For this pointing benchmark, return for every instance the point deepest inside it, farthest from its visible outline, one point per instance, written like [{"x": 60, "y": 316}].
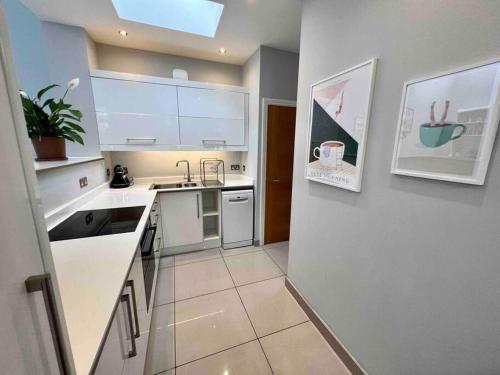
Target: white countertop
[{"x": 91, "y": 271}]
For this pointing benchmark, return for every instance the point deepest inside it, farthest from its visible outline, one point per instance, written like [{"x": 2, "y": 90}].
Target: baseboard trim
[{"x": 344, "y": 355}]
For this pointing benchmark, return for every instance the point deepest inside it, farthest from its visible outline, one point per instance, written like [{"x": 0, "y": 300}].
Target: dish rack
[{"x": 206, "y": 179}]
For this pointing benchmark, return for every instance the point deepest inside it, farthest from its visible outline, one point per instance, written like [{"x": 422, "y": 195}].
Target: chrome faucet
[{"x": 189, "y": 170}]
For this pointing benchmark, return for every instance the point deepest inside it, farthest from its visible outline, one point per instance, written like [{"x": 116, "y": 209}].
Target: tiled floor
[{"x": 232, "y": 315}]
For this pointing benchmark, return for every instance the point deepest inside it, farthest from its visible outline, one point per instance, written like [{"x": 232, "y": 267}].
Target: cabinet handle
[
  {"x": 130, "y": 283},
  {"x": 126, "y": 298},
  {"x": 198, "y": 205},
  {"x": 42, "y": 283},
  {"x": 213, "y": 141},
  {"x": 238, "y": 200},
  {"x": 139, "y": 139}
]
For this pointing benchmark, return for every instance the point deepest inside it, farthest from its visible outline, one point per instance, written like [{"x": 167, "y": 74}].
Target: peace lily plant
[{"x": 51, "y": 122}]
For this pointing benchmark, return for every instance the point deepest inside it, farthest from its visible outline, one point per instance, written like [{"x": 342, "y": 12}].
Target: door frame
[{"x": 266, "y": 102}]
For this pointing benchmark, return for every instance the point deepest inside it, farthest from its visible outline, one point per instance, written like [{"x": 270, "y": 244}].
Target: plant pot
[{"x": 49, "y": 148}]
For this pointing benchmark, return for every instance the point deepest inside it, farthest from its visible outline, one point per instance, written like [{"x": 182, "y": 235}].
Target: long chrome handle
[
  {"x": 139, "y": 139},
  {"x": 130, "y": 284},
  {"x": 126, "y": 298},
  {"x": 198, "y": 205},
  {"x": 42, "y": 283},
  {"x": 213, "y": 141}
]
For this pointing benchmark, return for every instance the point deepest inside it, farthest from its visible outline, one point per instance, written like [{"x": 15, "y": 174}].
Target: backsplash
[
  {"x": 156, "y": 164},
  {"x": 59, "y": 186}
]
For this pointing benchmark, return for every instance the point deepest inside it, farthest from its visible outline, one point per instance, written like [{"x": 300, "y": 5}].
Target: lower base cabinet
[{"x": 125, "y": 348}]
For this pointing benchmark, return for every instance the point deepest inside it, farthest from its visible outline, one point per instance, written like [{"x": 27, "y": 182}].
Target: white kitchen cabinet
[
  {"x": 182, "y": 218},
  {"x": 135, "y": 113},
  {"x": 141, "y": 113},
  {"x": 222, "y": 104},
  {"x": 113, "y": 352},
  {"x": 196, "y": 131}
]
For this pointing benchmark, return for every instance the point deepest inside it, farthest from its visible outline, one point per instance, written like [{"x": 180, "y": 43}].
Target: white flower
[
  {"x": 23, "y": 94},
  {"x": 73, "y": 84}
]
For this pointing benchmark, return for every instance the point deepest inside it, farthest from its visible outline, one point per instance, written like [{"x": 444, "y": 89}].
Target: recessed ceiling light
[
  {"x": 222, "y": 51},
  {"x": 199, "y": 17},
  {"x": 123, "y": 33}
]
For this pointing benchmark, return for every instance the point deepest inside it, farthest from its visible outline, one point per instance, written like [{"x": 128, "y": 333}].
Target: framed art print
[
  {"x": 338, "y": 124},
  {"x": 447, "y": 124}
]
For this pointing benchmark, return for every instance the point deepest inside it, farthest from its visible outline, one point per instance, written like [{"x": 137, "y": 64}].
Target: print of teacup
[
  {"x": 440, "y": 134},
  {"x": 330, "y": 154}
]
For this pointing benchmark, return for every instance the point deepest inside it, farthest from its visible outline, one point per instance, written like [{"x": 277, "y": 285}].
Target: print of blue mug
[{"x": 438, "y": 135}]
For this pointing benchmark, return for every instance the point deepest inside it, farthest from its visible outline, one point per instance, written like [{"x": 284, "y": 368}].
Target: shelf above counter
[{"x": 46, "y": 165}]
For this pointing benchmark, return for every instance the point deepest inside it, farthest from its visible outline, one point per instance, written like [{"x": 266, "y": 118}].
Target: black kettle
[{"x": 120, "y": 179}]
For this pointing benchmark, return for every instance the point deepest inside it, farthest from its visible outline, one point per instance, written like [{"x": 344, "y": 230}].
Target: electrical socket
[
  {"x": 235, "y": 167},
  {"x": 83, "y": 182}
]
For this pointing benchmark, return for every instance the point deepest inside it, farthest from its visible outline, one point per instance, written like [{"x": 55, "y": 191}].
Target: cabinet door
[
  {"x": 181, "y": 218},
  {"x": 194, "y": 102},
  {"x": 113, "y": 353},
  {"x": 135, "y": 112},
  {"x": 196, "y": 131}
]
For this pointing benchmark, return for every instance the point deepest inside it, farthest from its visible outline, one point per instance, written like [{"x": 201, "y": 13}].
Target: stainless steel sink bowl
[{"x": 177, "y": 185}]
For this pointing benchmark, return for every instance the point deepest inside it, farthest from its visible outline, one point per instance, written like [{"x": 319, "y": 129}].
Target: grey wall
[
  {"x": 129, "y": 60},
  {"x": 269, "y": 73},
  {"x": 406, "y": 273},
  {"x": 278, "y": 74},
  {"x": 68, "y": 58},
  {"x": 28, "y": 47}
]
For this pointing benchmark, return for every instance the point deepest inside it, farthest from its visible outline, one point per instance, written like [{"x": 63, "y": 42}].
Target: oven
[{"x": 148, "y": 259}]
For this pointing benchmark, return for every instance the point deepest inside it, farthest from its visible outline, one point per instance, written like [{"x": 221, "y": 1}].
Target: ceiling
[{"x": 244, "y": 25}]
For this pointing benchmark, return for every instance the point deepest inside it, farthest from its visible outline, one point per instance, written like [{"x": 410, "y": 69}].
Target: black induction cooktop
[{"x": 93, "y": 223}]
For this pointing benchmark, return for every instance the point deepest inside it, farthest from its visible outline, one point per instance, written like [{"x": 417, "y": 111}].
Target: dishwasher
[{"x": 237, "y": 218}]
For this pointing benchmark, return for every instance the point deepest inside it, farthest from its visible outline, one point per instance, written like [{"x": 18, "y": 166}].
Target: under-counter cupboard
[
  {"x": 136, "y": 112},
  {"x": 125, "y": 346}
]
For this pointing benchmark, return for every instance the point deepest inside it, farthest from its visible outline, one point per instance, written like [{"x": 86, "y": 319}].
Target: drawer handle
[
  {"x": 130, "y": 284},
  {"x": 126, "y": 298},
  {"x": 138, "y": 139},
  {"x": 213, "y": 141}
]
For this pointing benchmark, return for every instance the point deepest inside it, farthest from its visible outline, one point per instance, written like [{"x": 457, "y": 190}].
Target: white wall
[
  {"x": 28, "y": 47},
  {"x": 136, "y": 61},
  {"x": 67, "y": 58},
  {"x": 59, "y": 186},
  {"x": 406, "y": 273},
  {"x": 159, "y": 164}
]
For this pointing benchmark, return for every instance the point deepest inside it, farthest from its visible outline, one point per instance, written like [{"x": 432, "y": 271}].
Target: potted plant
[{"x": 51, "y": 122}]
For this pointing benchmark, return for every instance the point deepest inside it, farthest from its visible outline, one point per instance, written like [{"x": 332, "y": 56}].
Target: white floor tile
[
  {"x": 280, "y": 256},
  {"x": 240, "y": 250},
  {"x": 169, "y": 372},
  {"x": 270, "y": 306},
  {"x": 251, "y": 267},
  {"x": 301, "y": 350},
  {"x": 164, "y": 286},
  {"x": 209, "y": 324},
  {"x": 246, "y": 359},
  {"x": 161, "y": 350},
  {"x": 275, "y": 244},
  {"x": 167, "y": 262},
  {"x": 197, "y": 256},
  {"x": 196, "y": 279}
]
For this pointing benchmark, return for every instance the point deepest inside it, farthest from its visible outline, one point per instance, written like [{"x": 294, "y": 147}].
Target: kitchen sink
[{"x": 177, "y": 185}]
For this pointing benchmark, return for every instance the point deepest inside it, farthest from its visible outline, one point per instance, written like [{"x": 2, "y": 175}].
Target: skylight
[{"x": 199, "y": 17}]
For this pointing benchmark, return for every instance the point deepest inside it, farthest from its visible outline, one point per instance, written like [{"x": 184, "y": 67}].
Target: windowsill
[{"x": 45, "y": 165}]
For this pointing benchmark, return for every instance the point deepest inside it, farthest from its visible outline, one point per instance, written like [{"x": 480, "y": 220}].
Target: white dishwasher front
[{"x": 237, "y": 218}]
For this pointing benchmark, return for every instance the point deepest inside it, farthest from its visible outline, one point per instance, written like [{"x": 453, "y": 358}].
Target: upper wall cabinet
[
  {"x": 150, "y": 113},
  {"x": 135, "y": 113}
]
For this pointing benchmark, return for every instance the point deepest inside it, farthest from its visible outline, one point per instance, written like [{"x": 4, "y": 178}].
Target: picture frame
[
  {"x": 339, "y": 116},
  {"x": 457, "y": 146}
]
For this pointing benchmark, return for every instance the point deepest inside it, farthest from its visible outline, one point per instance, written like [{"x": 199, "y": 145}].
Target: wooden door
[{"x": 279, "y": 172}]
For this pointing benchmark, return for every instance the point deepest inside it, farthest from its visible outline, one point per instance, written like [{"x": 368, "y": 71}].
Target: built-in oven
[{"x": 148, "y": 259}]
